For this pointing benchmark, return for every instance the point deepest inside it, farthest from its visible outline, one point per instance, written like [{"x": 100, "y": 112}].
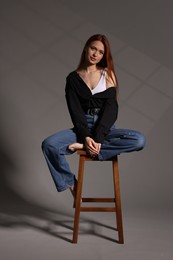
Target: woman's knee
[
  {"x": 141, "y": 141},
  {"x": 47, "y": 143}
]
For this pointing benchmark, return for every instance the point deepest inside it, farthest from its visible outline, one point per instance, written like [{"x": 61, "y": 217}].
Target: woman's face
[{"x": 94, "y": 52}]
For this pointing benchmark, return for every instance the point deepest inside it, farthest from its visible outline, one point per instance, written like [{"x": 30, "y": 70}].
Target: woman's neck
[{"x": 91, "y": 68}]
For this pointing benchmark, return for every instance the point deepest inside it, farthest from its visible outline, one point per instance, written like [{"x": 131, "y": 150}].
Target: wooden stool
[{"x": 83, "y": 156}]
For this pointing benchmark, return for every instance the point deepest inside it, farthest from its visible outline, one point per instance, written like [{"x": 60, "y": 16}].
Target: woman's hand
[{"x": 92, "y": 147}]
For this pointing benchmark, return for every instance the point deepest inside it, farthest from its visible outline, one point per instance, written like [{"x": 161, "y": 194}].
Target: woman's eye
[{"x": 95, "y": 49}]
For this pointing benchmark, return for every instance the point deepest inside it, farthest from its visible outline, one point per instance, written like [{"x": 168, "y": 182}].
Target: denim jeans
[{"x": 55, "y": 147}]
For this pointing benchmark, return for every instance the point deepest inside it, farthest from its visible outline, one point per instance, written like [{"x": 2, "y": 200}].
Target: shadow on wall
[{"x": 16, "y": 212}]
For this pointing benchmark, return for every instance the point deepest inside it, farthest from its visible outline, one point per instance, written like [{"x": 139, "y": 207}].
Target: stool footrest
[
  {"x": 97, "y": 209},
  {"x": 98, "y": 199}
]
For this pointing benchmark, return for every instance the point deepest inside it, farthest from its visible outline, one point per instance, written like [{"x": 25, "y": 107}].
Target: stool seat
[{"x": 83, "y": 157}]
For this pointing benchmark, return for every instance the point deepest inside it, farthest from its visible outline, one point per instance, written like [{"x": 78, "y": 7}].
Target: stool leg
[
  {"x": 78, "y": 198},
  {"x": 118, "y": 201}
]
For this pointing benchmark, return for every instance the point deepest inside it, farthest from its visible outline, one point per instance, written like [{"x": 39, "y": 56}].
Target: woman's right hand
[{"x": 92, "y": 147}]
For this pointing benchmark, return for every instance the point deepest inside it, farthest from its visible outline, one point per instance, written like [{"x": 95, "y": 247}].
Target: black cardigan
[{"x": 79, "y": 99}]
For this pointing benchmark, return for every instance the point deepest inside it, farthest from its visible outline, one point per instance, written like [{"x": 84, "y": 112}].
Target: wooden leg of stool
[
  {"x": 118, "y": 201},
  {"x": 78, "y": 199}
]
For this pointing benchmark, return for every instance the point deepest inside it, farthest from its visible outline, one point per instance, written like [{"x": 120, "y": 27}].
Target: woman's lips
[{"x": 92, "y": 58}]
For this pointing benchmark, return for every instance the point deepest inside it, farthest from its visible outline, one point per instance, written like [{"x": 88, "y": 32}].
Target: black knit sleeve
[
  {"x": 76, "y": 111},
  {"x": 107, "y": 117}
]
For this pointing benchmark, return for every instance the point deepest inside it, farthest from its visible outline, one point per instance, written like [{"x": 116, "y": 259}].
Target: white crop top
[{"x": 101, "y": 86}]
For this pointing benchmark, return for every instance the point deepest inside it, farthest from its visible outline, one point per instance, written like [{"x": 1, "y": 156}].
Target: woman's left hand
[{"x": 92, "y": 147}]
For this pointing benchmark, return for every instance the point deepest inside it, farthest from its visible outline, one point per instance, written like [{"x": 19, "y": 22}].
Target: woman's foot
[
  {"x": 73, "y": 190},
  {"x": 75, "y": 146}
]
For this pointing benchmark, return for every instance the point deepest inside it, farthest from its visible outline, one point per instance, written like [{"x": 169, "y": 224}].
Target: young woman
[{"x": 91, "y": 95}]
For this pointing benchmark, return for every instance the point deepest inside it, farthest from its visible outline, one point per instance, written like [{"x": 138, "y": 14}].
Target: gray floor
[{"x": 47, "y": 235}]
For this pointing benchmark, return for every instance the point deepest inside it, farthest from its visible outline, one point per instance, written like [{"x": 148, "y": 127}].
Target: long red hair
[{"x": 106, "y": 61}]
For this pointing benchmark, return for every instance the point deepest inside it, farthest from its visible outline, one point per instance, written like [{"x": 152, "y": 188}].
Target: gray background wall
[{"x": 40, "y": 43}]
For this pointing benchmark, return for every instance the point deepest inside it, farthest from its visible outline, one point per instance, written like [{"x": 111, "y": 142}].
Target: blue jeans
[{"x": 55, "y": 147}]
